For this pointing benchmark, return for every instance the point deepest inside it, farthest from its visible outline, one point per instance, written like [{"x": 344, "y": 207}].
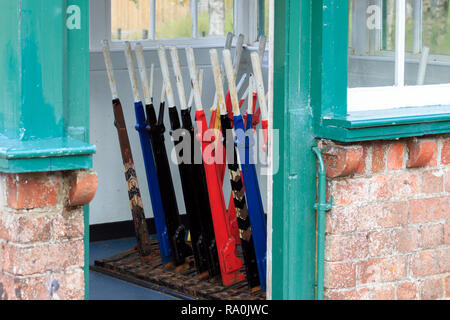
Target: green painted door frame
[
  {"x": 294, "y": 220},
  {"x": 310, "y": 82}
]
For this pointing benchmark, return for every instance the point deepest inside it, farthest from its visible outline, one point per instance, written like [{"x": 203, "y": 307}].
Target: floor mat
[{"x": 182, "y": 284}]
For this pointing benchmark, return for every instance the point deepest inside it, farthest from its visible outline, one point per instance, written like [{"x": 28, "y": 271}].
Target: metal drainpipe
[{"x": 322, "y": 206}]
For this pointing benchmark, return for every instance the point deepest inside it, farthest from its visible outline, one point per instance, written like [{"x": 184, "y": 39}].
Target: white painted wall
[{"x": 111, "y": 201}]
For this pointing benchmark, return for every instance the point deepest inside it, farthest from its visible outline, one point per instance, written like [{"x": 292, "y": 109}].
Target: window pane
[
  {"x": 266, "y": 17},
  {"x": 371, "y": 43},
  {"x": 428, "y": 24},
  {"x": 173, "y": 19},
  {"x": 436, "y": 22},
  {"x": 427, "y": 42},
  {"x": 130, "y": 19},
  {"x": 215, "y": 17},
  {"x": 388, "y": 21}
]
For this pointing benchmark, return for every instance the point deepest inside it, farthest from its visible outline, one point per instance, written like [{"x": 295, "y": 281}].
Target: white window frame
[
  {"x": 244, "y": 22},
  {"x": 399, "y": 95}
]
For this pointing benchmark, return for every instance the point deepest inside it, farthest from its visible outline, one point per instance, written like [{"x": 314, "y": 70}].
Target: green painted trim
[
  {"x": 11, "y": 149},
  {"x": 388, "y": 132},
  {"x": 329, "y": 60},
  {"x": 391, "y": 117},
  {"x": 54, "y": 154},
  {"x": 294, "y": 191},
  {"x": 46, "y": 164},
  {"x": 387, "y": 124}
]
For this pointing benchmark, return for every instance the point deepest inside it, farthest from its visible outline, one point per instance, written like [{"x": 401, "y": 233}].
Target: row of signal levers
[{"x": 215, "y": 230}]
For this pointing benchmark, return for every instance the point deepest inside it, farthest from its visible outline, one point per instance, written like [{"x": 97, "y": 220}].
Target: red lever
[
  {"x": 230, "y": 264},
  {"x": 265, "y": 126}
]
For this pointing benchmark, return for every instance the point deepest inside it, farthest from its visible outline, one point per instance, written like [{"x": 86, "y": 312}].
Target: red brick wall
[
  {"x": 41, "y": 235},
  {"x": 388, "y": 234}
]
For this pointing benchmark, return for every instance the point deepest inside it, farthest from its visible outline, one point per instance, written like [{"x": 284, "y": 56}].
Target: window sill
[
  {"x": 207, "y": 42},
  {"x": 196, "y": 43},
  {"x": 386, "y": 124},
  {"x": 390, "y": 97},
  {"x": 43, "y": 155}
]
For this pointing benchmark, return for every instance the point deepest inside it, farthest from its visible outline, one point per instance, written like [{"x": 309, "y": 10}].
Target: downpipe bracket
[{"x": 324, "y": 206}]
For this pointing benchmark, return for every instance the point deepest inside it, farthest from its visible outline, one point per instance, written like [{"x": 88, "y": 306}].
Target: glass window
[
  {"x": 428, "y": 25},
  {"x": 427, "y": 42},
  {"x": 215, "y": 17},
  {"x": 170, "y": 19},
  {"x": 371, "y": 30},
  {"x": 173, "y": 19},
  {"x": 420, "y": 55},
  {"x": 130, "y": 19}
]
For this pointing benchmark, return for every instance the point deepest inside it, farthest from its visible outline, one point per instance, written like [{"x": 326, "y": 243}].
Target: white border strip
[{"x": 379, "y": 98}]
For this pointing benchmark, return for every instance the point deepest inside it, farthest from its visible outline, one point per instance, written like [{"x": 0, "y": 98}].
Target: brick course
[
  {"x": 41, "y": 234},
  {"x": 388, "y": 234}
]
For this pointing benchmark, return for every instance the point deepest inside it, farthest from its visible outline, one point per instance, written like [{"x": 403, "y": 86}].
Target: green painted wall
[
  {"x": 44, "y": 81},
  {"x": 9, "y": 58},
  {"x": 33, "y": 53}
]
